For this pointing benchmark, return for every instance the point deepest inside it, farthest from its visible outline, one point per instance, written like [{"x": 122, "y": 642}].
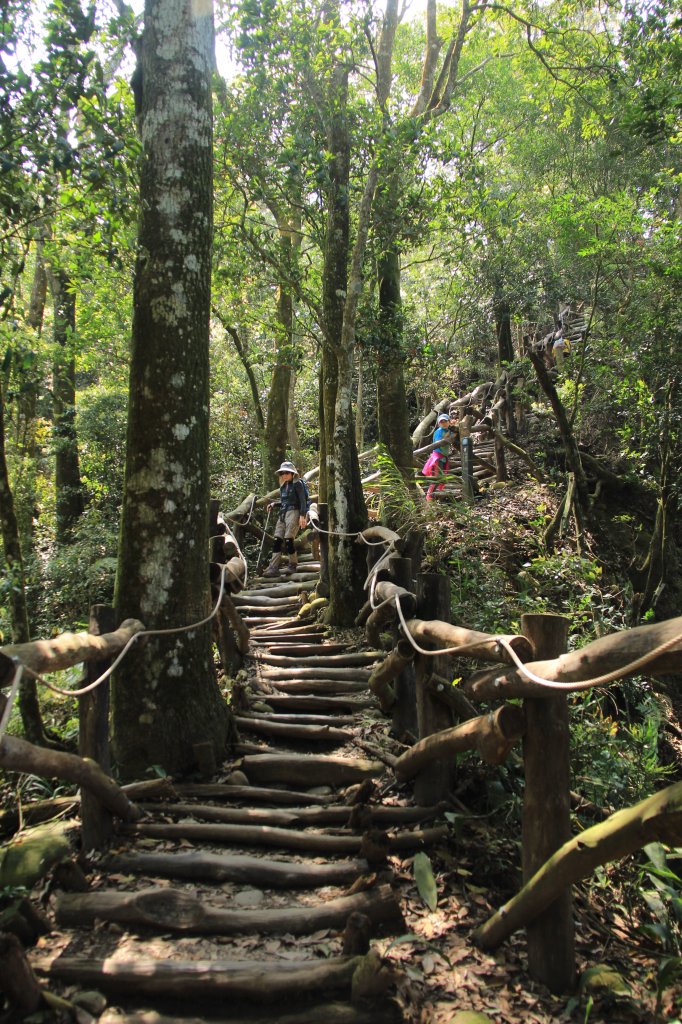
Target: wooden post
[
  {"x": 433, "y": 602},
  {"x": 509, "y": 407},
  {"x": 467, "y": 469},
  {"x": 93, "y": 735},
  {"x": 546, "y": 809},
  {"x": 323, "y": 585},
  {"x": 405, "y": 685},
  {"x": 216, "y": 533},
  {"x": 500, "y": 461}
]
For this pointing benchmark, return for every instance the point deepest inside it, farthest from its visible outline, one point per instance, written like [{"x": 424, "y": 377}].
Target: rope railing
[{"x": 22, "y": 669}]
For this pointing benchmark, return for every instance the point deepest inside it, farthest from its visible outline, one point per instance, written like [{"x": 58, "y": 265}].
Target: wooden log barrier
[
  {"x": 17, "y": 755},
  {"x": 377, "y": 534},
  {"x": 482, "y": 646},
  {"x": 70, "y": 649},
  {"x": 500, "y": 460},
  {"x": 443, "y": 691},
  {"x": 239, "y": 628},
  {"x": 383, "y": 675},
  {"x": 433, "y": 716},
  {"x": 378, "y": 618},
  {"x": 656, "y": 819},
  {"x": 404, "y": 711},
  {"x": 216, "y": 533},
  {"x": 385, "y": 594},
  {"x": 492, "y": 735},
  {"x": 605, "y": 655},
  {"x": 547, "y": 810}
]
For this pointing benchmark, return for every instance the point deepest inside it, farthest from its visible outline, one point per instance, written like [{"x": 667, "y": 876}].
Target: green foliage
[
  {"x": 76, "y": 576},
  {"x": 615, "y": 755},
  {"x": 426, "y": 883},
  {"x": 399, "y": 506},
  {"x": 661, "y": 889}
]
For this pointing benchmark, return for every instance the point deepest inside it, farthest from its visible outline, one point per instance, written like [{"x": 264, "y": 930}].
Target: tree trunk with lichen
[
  {"x": 341, "y": 469},
  {"x": 392, "y": 405},
  {"x": 165, "y": 697},
  {"x": 280, "y": 394},
  {"x": 68, "y": 487}
]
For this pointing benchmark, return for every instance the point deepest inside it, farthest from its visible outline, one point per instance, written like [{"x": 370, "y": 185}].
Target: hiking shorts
[{"x": 287, "y": 525}]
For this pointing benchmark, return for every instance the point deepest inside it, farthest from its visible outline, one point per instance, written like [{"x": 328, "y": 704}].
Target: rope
[
  {"x": 249, "y": 514},
  {"x": 461, "y": 649},
  {"x": 553, "y": 684},
  {"x": 585, "y": 684},
  {"x": 338, "y": 533},
  {"x": 374, "y": 571}
]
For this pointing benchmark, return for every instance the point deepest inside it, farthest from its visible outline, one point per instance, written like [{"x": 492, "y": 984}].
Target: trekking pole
[{"x": 265, "y": 530}]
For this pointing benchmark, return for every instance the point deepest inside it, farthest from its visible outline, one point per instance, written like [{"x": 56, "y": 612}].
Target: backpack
[{"x": 307, "y": 493}]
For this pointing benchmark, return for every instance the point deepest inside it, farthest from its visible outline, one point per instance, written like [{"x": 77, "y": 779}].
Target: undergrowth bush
[{"x": 74, "y": 577}]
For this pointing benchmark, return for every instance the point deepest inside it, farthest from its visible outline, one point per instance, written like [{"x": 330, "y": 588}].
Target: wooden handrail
[{"x": 70, "y": 649}]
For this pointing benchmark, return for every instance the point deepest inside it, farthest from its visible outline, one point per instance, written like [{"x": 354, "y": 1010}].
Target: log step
[
  {"x": 299, "y": 769},
  {"x": 303, "y": 647},
  {"x": 336, "y": 721},
  {"x": 250, "y": 794},
  {"x": 240, "y": 868},
  {"x": 339, "y": 815},
  {"x": 321, "y": 659},
  {"x": 263, "y": 981},
  {"x": 285, "y": 839},
  {"x": 176, "y": 911},
  {"x": 315, "y": 702},
  {"x": 313, "y": 685},
  {"x": 254, "y": 620},
  {"x": 330, "y": 1013},
  {"x": 293, "y": 731}
]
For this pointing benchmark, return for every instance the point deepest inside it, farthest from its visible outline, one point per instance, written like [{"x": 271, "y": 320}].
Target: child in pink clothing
[{"x": 438, "y": 462}]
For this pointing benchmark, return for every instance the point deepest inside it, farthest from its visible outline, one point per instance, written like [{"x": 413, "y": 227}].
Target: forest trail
[{"x": 253, "y": 896}]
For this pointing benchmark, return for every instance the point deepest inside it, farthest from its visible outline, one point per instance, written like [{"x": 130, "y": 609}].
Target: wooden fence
[
  {"x": 413, "y": 685},
  {"x": 102, "y": 799}
]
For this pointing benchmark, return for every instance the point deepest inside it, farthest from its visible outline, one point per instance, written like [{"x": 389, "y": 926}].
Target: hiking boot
[
  {"x": 273, "y": 568},
  {"x": 290, "y": 568}
]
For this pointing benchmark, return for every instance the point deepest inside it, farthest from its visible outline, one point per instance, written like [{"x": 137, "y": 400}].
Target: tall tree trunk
[
  {"x": 394, "y": 426},
  {"x": 165, "y": 696},
  {"x": 359, "y": 400},
  {"x": 502, "y": 316},
  {"x": 36, "y": 307},
  {"x": 277, "y": 414},
  {"x": 278, "y": 420},
  {"x": 292, "y": 423},
  {"x": 343, "y": 487},
  {"x": 570, "y": 445},
  {"x": 28, "y": 697},
  {"x": 68, "y": 487}
]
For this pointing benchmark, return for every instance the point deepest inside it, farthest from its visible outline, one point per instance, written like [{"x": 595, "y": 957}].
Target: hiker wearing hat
[
  {"x": 293, "y": 502},
  {"x": 438, "y": 462}
]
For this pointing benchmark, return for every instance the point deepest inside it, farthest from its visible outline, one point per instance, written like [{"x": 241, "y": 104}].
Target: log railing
[
  {"x": 101, "y": 798},
  {"x": 535, "y": 666}
]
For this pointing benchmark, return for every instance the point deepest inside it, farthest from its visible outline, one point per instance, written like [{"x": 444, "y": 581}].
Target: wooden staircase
[{"x": 254, "y": 896}]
